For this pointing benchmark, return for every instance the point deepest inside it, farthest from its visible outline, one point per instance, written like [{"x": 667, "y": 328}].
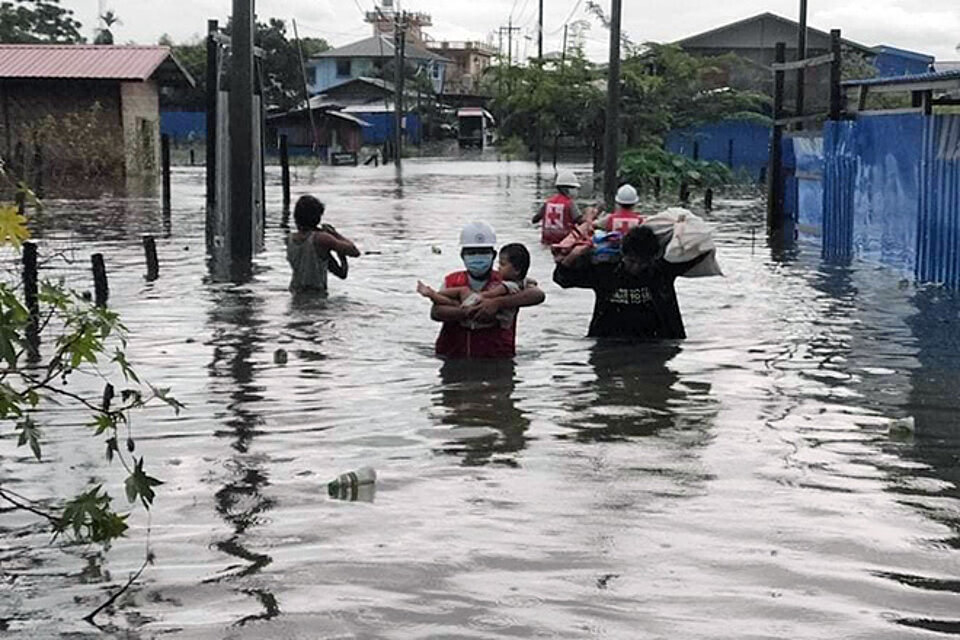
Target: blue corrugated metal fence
[{"x": 938, "y": 242}]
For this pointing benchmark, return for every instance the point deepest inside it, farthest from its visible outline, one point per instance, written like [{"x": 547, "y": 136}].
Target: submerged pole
[
  {"x": 213, "y": 90},
  {"x": 612, "y": 132},
  {"x": 150, "y": 253},
  {"x": 30, "y": 299},
  {"x": 774, "y": 171},
  {"x": 165, "y": 164},
  {"x": 285, "y": 170},
  {"x": 100, "y": 288},
  {"x": 242, "y": 154}
]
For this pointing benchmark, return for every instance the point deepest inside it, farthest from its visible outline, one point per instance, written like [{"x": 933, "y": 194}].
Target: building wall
[
  {"x": 75, "y": 125},
  {"x": 463, "y": 74},
  {"x": 891, "y": 64},
  {"x": 140, "y": 112},
  {"x": 322, "y": 72}
]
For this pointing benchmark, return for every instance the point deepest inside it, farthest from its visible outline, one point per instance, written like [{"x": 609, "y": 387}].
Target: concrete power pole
[
  {"x": 399, "y": 37},
  {"x": 242, "y": 156},
  {"x": 612, "y": 132},
  {"x": 801, "y": 54},
  {"x": 540, "y": 61}
]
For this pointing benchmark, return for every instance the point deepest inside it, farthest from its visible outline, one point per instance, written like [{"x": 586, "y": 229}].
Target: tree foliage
[{"x": 31, "y": 21}]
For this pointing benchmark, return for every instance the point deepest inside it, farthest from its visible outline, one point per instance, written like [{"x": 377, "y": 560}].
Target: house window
[
  {"x": 343, "y": 67},
  {"x": 436, "y": 72}
]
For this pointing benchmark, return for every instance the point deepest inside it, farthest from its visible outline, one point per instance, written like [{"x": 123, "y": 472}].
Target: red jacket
[
  {"x": 557, "y": 219},
  {"x": 456, "y": 341}
]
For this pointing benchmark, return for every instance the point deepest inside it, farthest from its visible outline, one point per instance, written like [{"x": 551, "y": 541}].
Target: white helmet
[
  {"x": 566, "y": 179},
  {"x": 478, "y": 235},
  {"x": 627, "y": 195}
]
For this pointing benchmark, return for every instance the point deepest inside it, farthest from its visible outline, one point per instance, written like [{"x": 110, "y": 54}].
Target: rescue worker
[
  {"x": 623, "y": 217},
  {"x": 558, "y": 215},
  {"x": 635, "y": 297},
  {"x": 456, "y": 340}
]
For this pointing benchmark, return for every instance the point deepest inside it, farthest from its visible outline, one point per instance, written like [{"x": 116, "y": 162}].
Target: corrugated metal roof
[
  {"x": 920, "y": 78},
  {"x": 86, "y": 62},
  {"x": 379, "y": 47}
]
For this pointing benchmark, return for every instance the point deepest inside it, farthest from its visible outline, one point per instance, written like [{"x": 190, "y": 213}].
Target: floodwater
[{"x": 740, "y": 484}]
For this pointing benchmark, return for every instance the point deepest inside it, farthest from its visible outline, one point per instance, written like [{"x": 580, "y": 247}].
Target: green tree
[
  {"x": 29, "y": 21},
  {"x": 105, "y": 35}
]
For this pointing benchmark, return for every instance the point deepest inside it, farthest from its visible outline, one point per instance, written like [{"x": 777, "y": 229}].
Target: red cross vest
[
  {"x": 622, "y": 221},
  {"x": 456, "y": 341},
  {"x": 557, "y": 219}
]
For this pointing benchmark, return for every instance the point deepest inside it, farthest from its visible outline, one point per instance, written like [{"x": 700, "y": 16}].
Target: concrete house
[
  {"x": 367, "y": 58},
  {"x": 469, "y": 60},
  {"x": 44, "y": 87}
]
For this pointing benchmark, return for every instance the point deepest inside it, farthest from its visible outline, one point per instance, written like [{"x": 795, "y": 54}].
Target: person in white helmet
[
  {"x": 559, "y": 215},
  {"x": 488, "y": 339},
  {"x": 623, "y": 217}
]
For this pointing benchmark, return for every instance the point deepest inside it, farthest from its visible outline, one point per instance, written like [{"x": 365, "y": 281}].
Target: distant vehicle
[{"x": 476, "y": 127}]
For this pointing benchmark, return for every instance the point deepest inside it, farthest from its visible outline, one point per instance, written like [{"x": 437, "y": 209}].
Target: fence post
[
  {"x": 29, "y": 259},
  {"x": 165, "y": 162},
  {"x": 150, "y": 252},
  {"x": 101, "y": 291},
  {"x": 684, "y": 193},
  {"x": 774, "y": 172},
  {"x": 657, "y": 184},
  {"x": 708, "y": 200},
  {"x": 285, "y": 170},
  {"x": 836, "y": 95},
  {"x": 38, "y": 170}
]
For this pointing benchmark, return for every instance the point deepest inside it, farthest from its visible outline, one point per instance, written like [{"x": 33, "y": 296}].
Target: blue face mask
[{"x": 478, "y": 265}]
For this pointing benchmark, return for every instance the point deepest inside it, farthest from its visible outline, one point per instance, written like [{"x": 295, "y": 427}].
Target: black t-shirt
[{"x": 628, "y": 305}]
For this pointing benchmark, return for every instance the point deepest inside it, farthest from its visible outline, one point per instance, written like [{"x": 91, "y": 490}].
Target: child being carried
[{"x": 514, "y": 264}]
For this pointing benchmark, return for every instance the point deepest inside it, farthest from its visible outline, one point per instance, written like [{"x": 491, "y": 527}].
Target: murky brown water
[{"x": 741, "y": 484}]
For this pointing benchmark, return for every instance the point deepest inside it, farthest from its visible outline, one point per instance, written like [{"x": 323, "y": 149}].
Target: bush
[{"x": 640, "y": 167}]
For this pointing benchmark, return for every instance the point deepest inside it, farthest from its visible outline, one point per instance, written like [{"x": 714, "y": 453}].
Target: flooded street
[{"x": 740, "y": 484}]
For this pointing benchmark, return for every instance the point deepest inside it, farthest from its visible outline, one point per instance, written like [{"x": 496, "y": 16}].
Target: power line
[{"x": 567, "y": 21}]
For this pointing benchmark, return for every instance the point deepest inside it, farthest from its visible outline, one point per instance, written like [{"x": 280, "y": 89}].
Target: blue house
[{"x": 367, "y": 58}]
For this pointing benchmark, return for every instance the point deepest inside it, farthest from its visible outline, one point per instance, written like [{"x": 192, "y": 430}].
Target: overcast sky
[{"x": 932, "y": 26}]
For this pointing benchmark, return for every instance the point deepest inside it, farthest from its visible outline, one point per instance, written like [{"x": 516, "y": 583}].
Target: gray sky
[{"x": 932, "y": 26}]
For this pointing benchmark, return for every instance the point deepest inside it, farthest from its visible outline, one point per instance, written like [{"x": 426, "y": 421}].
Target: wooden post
[
  {"x": 285, "y": 170},
  {"x": 165, "y": 163},
  {"x": 801, "y": 55},
  {"x": 774, "y": 171},
  {"x": 612, "y": 132},
  {"x": 192, "y": 158},
  {"x": 684, "y": 193},
  {"x": 708, "y": 200},
  {"x": 696, "y": 150},
  {"x": 29, "y": 259},
  {"x": 241, "y": 139},
  {"x": 657, "y": 185},
  {"x": 150, "y": 252},
  {"x": 100, "y": 288},
  {"x": 730, "y": 153},
  {"x": 836, "y": 97},
  {"x": 38, "y": 169}
]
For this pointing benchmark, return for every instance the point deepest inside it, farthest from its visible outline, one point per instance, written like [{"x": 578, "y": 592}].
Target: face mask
[
  {"x": 573, "y": 192},
  {"x": 478, "y": 265}
]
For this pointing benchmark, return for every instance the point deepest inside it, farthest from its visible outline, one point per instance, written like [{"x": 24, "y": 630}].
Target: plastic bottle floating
[
  {"x": 902, "y": 427},
  {"x": 353, "y": 486}
]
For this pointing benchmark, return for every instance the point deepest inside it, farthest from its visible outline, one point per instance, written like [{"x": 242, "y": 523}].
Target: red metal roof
[{"x": 87, "y": 62}]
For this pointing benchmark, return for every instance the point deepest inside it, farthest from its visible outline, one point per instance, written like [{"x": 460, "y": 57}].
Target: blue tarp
[
  {"x": 382, "y": 126},
  {"x": 736, "y": 143},
  {"x": 183, "y": 126}
]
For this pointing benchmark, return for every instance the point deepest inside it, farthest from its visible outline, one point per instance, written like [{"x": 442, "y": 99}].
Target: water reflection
[
  {"x": 477, "y": 401},
  {"x": 237, "y": 338},
  {"x": 635, "y": 393}
]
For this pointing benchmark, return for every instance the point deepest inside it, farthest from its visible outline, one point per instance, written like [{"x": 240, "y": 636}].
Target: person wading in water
[
  {"x": 310, "y": 249},
  {"x": 457, "y": 339},
  {"x": 635, "y": 297}
]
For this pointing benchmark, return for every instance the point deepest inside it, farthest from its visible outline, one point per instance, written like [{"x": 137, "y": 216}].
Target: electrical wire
[{"x": 567, "y": 21}]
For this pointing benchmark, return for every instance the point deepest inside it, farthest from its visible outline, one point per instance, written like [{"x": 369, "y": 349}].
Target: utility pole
[
  {"x": 801, "y": 54},
  {"x": 510, "y": 43},
  {"x": 399, "y": 26},
  {"x": 563, "y": 52},
  {"x": 540, "y": 62},
  {"x": 612, "y": 133},
  {"x": 241, "y": 138}
]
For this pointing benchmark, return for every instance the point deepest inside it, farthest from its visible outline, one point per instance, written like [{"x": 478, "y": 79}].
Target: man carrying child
[{"x": 476, "y": 330}]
